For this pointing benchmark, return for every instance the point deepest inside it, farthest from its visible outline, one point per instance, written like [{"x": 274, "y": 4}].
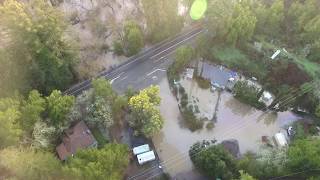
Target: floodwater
[{"x": 235, "y": 120}]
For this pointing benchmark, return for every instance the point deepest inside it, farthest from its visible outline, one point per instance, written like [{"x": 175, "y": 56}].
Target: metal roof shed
[
  {"x": 146, "y": 157},
  {"x": 141, "y": 149}
]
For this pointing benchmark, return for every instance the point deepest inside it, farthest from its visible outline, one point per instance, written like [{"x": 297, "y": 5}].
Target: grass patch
[
  {"x": 235, "y": 59},
  {"x": 210, "y": 125},
  {"x": 99, "y": 137}
]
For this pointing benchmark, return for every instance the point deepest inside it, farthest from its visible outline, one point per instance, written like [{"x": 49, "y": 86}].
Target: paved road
[
  {"x": 143, "y": 69},
  {"x": 146, "y": 68}
]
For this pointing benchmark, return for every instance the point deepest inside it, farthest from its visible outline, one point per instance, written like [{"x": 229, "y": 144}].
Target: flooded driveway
[{"x": 234, "y": 121}]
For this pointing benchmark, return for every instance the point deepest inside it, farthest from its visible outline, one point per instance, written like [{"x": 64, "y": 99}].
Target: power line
[{"x": 283, "y": 100}]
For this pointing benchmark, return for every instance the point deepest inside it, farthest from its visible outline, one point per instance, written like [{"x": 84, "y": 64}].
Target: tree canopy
[
  {"x": 108, "y": 162},
  {"x": 162, "y": 18},
  {"x": 146, "y": 117},
  {"x": 37, "y": 47},
  {"x": 133, "y": 38},
  {"x": 213, "y": 160}
]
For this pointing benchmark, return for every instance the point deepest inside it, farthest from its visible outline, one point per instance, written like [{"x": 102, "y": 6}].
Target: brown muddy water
[{"x": 235, "y": 120}]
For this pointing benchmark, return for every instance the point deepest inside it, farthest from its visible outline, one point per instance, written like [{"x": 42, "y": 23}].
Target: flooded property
[{"x": 235, "y": 120}]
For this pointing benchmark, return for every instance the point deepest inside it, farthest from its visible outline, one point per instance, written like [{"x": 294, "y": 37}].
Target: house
[
  {"x": 232, "y": 146},
  {"x": 76, "y": 138},
  {"x": 141, "y": 149}
]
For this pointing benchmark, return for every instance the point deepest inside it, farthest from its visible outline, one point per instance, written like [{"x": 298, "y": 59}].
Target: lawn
[
  {"x": 236, "y": 59},
  {"x": 99, "y": 137}
]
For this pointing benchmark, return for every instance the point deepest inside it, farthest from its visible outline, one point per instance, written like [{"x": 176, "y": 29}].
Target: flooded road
[{"x": 235, "y": 120}]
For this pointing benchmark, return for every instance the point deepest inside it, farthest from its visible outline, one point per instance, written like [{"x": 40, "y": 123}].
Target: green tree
[
  {"x": 146, "y": 118},
  {"x": 29, "y": 164},
  {"x": 245, "y": 176},
  {"x": 103, "y": 89},
  {"x": 303, "y": 155},
  {"x": 219, "y": 16},
  {"x": 213, "y": 160},
  {"x": 133, "y": 38},
  {"x": 183, "y": 57},
  {"x": 269, "y": 18},
  {"x": 10, "y": 131},
  {"x": 58, "y": 108},
  {"x": 100, "y": 113},
  {"x": 38, "y": 44},
  {"x": 242, "y": 25},
  {"x": 106, "y": 163},
  {"x": 162, "y": 18},
  {"x": 31, "y": 110}
]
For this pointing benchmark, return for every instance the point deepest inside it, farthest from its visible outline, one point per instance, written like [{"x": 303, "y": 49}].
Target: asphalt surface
[
  {"x": 143, "y": 69},
  {"x": 140, "y": 71}
]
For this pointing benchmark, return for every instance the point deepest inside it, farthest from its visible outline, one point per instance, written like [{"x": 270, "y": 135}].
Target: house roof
[{"x": 75, "y": 138}]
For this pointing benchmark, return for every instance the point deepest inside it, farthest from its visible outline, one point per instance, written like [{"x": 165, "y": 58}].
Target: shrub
[
  {"x": 203, "y": 83},
  {"x": 191, "y": 120},
  {"x": 210, "y": 125},
  {"x": 248, "y": 94},
  {"x": 117, "y": 48}
]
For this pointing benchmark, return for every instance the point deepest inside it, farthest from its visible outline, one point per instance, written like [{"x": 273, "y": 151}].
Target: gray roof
[{"x": 216, "y": 74}]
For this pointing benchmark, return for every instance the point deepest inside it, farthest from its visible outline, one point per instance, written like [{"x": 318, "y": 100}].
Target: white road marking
[
  {"x": 163, "y": 50},
  {"x": 124, "y": 78},
  {"x": 112, "y": 80},
  {"x": 177, "y": 44},
  {"x": 163, "y": 70}
]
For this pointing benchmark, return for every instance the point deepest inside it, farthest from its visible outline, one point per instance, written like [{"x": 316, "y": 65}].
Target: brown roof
[{"x": 77, "y": 137}]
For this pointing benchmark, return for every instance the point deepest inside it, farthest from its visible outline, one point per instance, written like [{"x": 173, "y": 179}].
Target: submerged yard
[{"x": 235, "y": 120}]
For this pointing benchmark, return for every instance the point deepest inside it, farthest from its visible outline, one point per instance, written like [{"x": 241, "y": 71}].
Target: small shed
[
  {"x": 146, "y": 157},
  {"x": 141, "y": 149}
]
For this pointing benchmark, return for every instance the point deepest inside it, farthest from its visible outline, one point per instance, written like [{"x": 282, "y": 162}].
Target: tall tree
[
  {"x": 218, "y": 18},
  {"x": 29, "y": 164},
  {"x": 213, "y": 160},
  {"x": 37, "y": 43},
  {"x": 146, "y": 118},
  {"x": 303, "y": 155},
  {"x": 162, "y": 18},
  {"x": 10, "y": 131},
  {"x": 133, "y": 38},
  {"x": 103, "y": 89},
  {"x": 100, "y": 164},
  {"x": 242, "y": 25},
  {"x": 31, "y": 110},
  {"x": 58, "y": 108}
]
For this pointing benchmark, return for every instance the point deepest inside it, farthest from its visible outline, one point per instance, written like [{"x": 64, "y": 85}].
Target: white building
[{"x": 141, "y": 149}]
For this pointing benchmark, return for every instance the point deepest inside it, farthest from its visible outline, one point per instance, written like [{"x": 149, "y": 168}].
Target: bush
[
  {"x": 117, "y": 48},
  {"x": 210, "y": 125},
  {"x": 191, "y": 120},
  {"x": 203, "y": 83},
  {"x": 248, "y": 94}
]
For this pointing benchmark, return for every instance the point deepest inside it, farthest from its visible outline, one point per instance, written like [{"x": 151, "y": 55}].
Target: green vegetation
[
  {"x": 203, "y": 83},
  {"x": 133, "y": 38},
  {"x": 99, "y": 137},
  {"x": 248, "y": 94},
  {"x": 162, "y": 19},
  {"x": 210, "y": 125},
  {"x": 108, "y": 162},
  {"x": 37, "y": 50},
  {"x": 213, "y": 160},
  {"x": 145, "y": 116}
]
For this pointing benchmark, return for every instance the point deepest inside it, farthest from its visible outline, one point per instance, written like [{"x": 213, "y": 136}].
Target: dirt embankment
[{"x": 95, "y": 25}]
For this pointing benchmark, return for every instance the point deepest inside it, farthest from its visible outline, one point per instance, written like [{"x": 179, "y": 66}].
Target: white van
[
  {"x": 141, "y": 149},
  {"x": 146, "y": 157}
]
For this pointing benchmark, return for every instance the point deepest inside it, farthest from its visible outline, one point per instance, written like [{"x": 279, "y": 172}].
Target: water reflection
[
  {"x": 234, "y": 121},
  {"x": 268, "y": 118}
]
